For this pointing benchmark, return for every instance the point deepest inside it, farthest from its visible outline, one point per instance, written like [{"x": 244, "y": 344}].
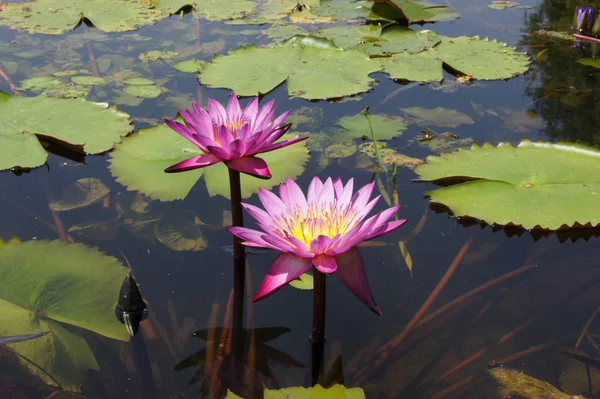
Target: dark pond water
[{"x": 522, "y": 299}]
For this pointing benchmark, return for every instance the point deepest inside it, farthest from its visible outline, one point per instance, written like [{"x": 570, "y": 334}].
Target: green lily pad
[
  {"x": 55, "y": 286},
  {"x": 384, "y": 126},
  {"x": 179, "y": 233},
  {"x": 68, "y": 90},
  {"x": 438, "y": 116},
  {"x": 192, "y": 66},
  {"x": 39, "y": 83},
  {"x": 143, "y": 91},
  {"x": 345, "y": 36},
  {"x": 313, "y": 68},
  {"x": 415, "y": 12},
  {"x": 88, "y": 80},
  {"x": 534, "y": 185},
  {"x": 155, "y": 55},
  {"x": 91, "y": 127},
  {"x": 399, "y": 39},
  {"x": 138, "y": 82},
  {"x": 480, "y": 59},
  {"x": 139, "y": 163},
  {"x": 217, "y": 10},
  {"x": 341, "y": 150},
  {"x": 281, "y": 32},
  {"x": 341, "y": 10},
  {"x": 84, "y": 192},
  {"x": 335, "y": 391},
  {"x": 304, "y": 282},
  {"x": 284, "y": 162},
  {"x": 593, "y": 62},
  {"x": 54, "y": 18}
]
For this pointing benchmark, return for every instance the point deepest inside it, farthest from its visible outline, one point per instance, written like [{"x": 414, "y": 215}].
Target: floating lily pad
[
  {"x": 179, "y": 234},
  {"x": 534, "y": 185},
  {"x": 84, "y": 192},
  {"x": 139, "y": 163},
  {"x": 389, "y": 156},
  {"x": 384, "y": 126},
  {"x": 143, "y": 91},
  {"x": 39, "y": 83},
  {"x": 415, "y": 12},
  {"x": 68, "y": 90},
  {"x": 49, "y": 285},
  {"x": 88, "y": 80},
  {"x": 438, "y": 116},
  {"x": 398, "y": 39},
  {"x": 51, "y": 17},
  {"x": 91, "y": 127},
  {"x": 155, "y": 55},
  {"x": 336, "y": 391},
  {"x": 138, "y": 81},
  {"x": 304, "y": 282},
  {"x": 343, "y": 9},
  {"x": 217, "y": 10},
  {"x": 313, "y": 68},
  {"x": 341, "y": 150},
  {"x": 421, "y": 67},
  {"x": 345, "y": 36},
  {"x": 192, "y": 66}
]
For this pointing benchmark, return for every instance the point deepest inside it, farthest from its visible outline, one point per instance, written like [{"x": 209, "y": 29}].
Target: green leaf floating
[
  {"x": 415, "y": 12},
  {"x": 85, "y": 125},
  {"x": 534, "y": 185},
  {"x": 53, "y": 286},
  {"x": 384, "y": 126},
  {"x": 312, "y": 67},
  {"x": 139, "y": 163},
  {"x": 52, "y": 17},
  {"x": 480, "y": 59}
]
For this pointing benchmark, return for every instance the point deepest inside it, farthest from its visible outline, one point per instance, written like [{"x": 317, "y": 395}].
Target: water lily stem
[
  {"x": 239, "y": 258},
  {"x": 318, "y": 329}
]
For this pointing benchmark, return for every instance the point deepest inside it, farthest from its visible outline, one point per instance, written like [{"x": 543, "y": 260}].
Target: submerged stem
[
  {"x": 318, "y": 329},
  {"x": 239, "y": 263}
]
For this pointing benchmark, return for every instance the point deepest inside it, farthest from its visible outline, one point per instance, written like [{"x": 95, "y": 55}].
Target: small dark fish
[{"x": 21, "y": 338}]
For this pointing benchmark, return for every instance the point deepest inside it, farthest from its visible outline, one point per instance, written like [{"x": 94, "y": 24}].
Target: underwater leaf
[
  {"x": 39, "y": 83},
  {"x": 312, "y": 67},
  {"x": 52, "y": 286},
  {"x": 438, "y": 116},
  {"x": 285, "y": 162},
  {"x": 88, "y": 80},
  {"x": 316, "y": 392},
  {"x": 143, "y": 91},
  {"x": 179, "y": 233},
  {"x": 399, "y": 39},
  {"x": 384, "y": 126},
  {"x": 92, "y": 127},
  {"x": 82, "y": 193},
  {"x": 593, "y": 62},
  {"x": 413, "y": 11},
  {"x": 52, "y": 17},
  {"x": 341, "y": 150},
  {"x": 104, "y": 230},
  {"x": 534, "y": 185},
  {"x": 155, "y": 55},
  {"x": 514, "y": 382},
  {"x": 139, "y": 163},
  {"x": 304, "y": 282},
  {"x": 138, "y": 82},
  {"x": 406, "y": 256}
]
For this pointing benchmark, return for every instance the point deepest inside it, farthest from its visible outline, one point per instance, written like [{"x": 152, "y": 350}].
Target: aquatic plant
[
  {"x": 233, "y": 136},
  {"x": 321, "y": 229}
]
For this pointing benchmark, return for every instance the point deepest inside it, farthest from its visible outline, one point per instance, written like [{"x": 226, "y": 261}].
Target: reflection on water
[{"x": 476, "y": 295}]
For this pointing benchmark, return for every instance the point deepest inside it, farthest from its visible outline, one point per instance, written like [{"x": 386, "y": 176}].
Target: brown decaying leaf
[
  {"x": 82, "y": 193},
  {"x": 406, "y": 256}
]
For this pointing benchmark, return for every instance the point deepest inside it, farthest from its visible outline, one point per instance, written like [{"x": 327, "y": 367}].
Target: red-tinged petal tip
[
  {"x": 200, "y": 161},
  {"x": 351, "y": 272},
  {"x": 284, "y": 269},
  {"x": 251, "y": 165}
]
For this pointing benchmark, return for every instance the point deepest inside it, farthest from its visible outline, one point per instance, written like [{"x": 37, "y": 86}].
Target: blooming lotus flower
[
  {"x": 233, "y": 136},
  {"x": 320, "y": 230}
]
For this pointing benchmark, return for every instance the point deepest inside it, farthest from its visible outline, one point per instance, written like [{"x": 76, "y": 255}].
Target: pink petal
[
  {"x": 186, "y": 132},
  {"x": 292, "y": 196},
  {"x": 326, "y": 196},
  {"x": 284, "y": 269},
  {"x": 381, "y": 218},
  {"x": 224, "y": 136},
  {"x": 217, "y": 112},
  {"x": 244, "y": 134},
  {"x": 280, "y": 144},
  {"x": 219, "y": 152},
  {"x": 324, "y": 263},
  {"x": 234, "y": 111},
  {"x": 239, "y": 146},
  {"x": 271, "y": 135},
  {"x": 351, "y": 272},
  {"x": 338, "y": 186},
  {"x": 320, "y": 244},
  {"x": 253, "y": 166},
  {"x": 362, "y": 196},
  {"x": 279, "y": 120},
  {"x": 251, "y": 110},
  {"x": 199, "y": 161},
  {"x": 262, "y": 217},
  {"x": 344, "y": 196},
  {"x": 282, "y": 244},
  {"x": 264, "y": 116},
  {"x": 272, "y": 203},
  {"x": 314, "y": 189},
  {"x": 389, "y": 227},
  {"x": 252, "y": 236},
  {"x": 202, "y": 120}
]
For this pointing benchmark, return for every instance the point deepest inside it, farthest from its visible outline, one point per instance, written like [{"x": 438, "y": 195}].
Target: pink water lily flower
[
  {"x": 321, "y": 229},
  {"x": 233, "y": 136}
]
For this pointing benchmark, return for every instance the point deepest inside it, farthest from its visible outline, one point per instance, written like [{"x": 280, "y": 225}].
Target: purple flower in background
[
  {"x": 321, "y": 229},
  {"x": 233, "y": 136},
  {"x": 584, "y": 19}
]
